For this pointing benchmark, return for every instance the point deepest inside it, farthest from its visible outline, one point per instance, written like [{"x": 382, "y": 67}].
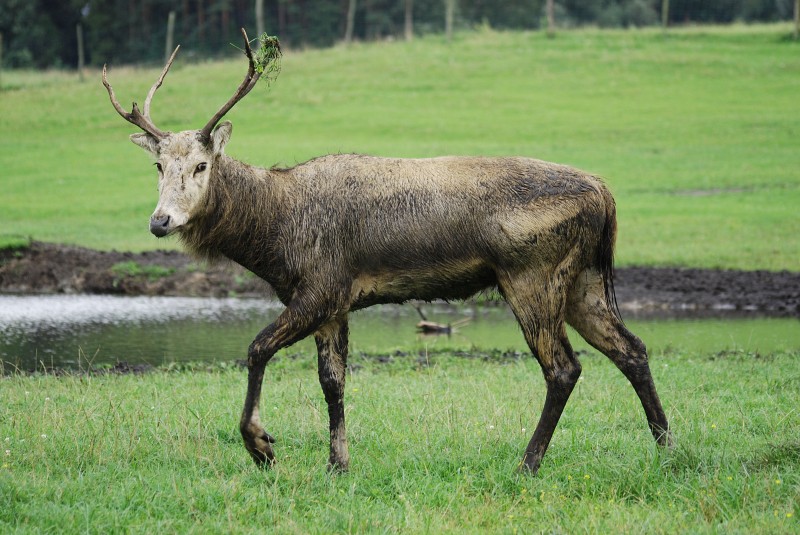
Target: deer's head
[{"x": 185, "y": 160}]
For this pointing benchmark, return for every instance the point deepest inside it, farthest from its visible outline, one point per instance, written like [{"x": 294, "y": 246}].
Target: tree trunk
[
  {"x": 201, "y": 21},
  {"x": 449, "y": 10},
  {"x": 259, "y": 17},
  {"x": 282, "y": 20},
  {"x": 81, "y": 62},
  {"x": 146, "y": 21},
  {"x": 351, "y": 19},
  {"x": 796, "y": 19},
  {"x": 170, "y": 36},
  {"x": 131, "y": 24},
  {"x": 551, "y": 18},
  {"x": 212, "y": 23},
  {"x": 409, "y": 27},
  {"x": 664, "y": 13},
  {"x": 185, "y": 18},
  {"x": 224, "y": 18}
]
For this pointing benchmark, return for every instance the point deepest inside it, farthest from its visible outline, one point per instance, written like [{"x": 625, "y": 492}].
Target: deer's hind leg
[
  {"x": 332, "y": 360},
  {"x": 595, "y": 319},
  {"x": 538, "y": 301}
]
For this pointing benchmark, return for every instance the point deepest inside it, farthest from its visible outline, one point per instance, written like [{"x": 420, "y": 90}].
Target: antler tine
[
  {"x": 158, "y": 84},
  {"x": 135, "y": 116},
  {"x": 244, "y": 88}
]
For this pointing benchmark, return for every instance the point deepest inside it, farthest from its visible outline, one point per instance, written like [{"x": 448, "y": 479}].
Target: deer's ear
[
  {"x": 147, "y": 142},
  {"x": 221, "y": 135}
]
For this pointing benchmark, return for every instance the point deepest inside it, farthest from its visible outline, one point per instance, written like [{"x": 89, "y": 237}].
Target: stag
[{"x": 343, "y": 232}]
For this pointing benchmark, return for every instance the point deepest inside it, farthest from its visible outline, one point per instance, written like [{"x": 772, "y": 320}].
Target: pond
[{"x": 79, "y": 331}]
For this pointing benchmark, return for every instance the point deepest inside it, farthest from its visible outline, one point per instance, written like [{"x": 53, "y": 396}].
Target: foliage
[
  {"x": 41, "y": 33},
  {"x": 434, "y": 446},
  {"x": 622, "y": 13},
  {"x": 38, "y": 37}
]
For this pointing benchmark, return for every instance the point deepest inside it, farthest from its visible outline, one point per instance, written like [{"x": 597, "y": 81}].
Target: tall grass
[
  {"x": 434, "y": 444},
  {"x": 695, "y": 131}
]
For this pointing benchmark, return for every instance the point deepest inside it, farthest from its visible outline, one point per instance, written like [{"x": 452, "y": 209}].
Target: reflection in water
[{"x": 78, "y": 331}]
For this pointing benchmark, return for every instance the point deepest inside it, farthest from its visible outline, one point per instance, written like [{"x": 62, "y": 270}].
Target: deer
[{"x": 342, "y": 232}]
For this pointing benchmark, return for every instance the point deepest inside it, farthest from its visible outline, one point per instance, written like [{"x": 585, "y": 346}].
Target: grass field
[
  {"x": 696, "y": 131},
  {"x": 434, "y": 447}
]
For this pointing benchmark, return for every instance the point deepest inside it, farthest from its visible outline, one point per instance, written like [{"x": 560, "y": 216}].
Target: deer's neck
[{"x": 238, "y": 219}]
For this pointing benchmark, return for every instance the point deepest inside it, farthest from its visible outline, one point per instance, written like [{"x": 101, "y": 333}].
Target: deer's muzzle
[{"x": 160, "y": 226}]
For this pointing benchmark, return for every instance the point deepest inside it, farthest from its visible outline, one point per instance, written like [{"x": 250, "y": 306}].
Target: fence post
[{"x": 664, "y": 14}]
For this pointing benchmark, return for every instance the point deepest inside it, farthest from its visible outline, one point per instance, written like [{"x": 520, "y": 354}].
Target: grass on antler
[{"x": 267, "y": 58}]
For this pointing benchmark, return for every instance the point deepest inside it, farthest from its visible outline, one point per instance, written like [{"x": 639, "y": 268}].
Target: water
[{"x": 79, "y": 331}]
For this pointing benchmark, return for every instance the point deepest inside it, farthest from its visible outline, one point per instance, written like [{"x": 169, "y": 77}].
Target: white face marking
[{"x": 184, "y": 168}]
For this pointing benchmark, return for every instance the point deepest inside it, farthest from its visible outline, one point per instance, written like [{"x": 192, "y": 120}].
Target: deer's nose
[{"x": 159, "y": 226}]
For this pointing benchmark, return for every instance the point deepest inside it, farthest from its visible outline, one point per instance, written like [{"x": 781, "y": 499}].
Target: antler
[
  {"x": 244, "y": 88},
  {"x": 143, "y": 121}
]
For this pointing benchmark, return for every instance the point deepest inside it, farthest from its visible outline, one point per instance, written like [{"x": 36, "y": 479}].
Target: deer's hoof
[
  {"x": 338, "y": 466},
  {"x": 259, "y": 447},
  {"x": 666, "y": 440},
  {"x": 528, "y": 466}
]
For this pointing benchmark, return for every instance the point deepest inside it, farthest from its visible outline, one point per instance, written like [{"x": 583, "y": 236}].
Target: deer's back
[
  {"x": 463, "y": 203},
  {"x": 440, "y": 227}
]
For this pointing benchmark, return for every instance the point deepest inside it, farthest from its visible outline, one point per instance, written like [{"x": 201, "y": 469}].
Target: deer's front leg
[
  {"x": 331, "y": 341},
  {"x": 292, "y": 325}
]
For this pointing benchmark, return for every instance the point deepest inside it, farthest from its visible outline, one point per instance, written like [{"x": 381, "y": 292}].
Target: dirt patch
[
  {"x": 709, "y": 291},
  {"x": 50, "y": 268}
]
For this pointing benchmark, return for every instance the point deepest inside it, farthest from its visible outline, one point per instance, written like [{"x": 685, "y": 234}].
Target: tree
[
  {"x": 351, "y": 18},
  {"x": 796, "y": 19},
  {"x": 409, "y": 20},
  {"x": 509, "y": 14},
  {"x": 41, "y": 33},
  {"x": 450, "y": 8},
  {"x": 259, "y": 17}
]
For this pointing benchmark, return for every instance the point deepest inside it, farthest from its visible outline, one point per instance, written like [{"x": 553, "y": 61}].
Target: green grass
[
  {"x": 696, "y": 131},
  {"x": 133, "y": 269},
  {"x": 434, "y": 448}
]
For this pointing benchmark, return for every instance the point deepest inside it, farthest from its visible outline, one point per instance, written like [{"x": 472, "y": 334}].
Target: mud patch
[
  {"x": 709, "y": 292},
  {"x": 51, "y": 268}
]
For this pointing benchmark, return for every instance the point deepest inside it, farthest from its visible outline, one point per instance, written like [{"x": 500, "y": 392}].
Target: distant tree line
[{"x": 42, "y": 33}]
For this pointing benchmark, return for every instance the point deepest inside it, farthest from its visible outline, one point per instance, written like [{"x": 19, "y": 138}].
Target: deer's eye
[
  {"x": 200, "y": 167},
  {"x": 158, "y": 166}
]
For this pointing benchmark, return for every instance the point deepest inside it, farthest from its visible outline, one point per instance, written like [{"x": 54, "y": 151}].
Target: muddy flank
[{"x": 50, "y": 268}]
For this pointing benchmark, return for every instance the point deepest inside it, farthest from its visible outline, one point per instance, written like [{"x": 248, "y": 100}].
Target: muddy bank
[{"x": 51, "y": 268}]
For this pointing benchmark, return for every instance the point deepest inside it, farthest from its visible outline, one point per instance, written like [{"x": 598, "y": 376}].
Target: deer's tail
[{"x": 605, "y": 253}]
